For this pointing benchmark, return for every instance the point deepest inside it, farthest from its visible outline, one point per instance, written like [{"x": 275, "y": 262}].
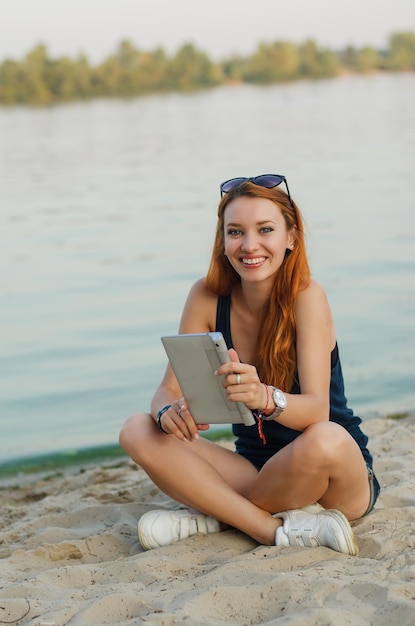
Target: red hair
[{"x": 276, "y": 357}]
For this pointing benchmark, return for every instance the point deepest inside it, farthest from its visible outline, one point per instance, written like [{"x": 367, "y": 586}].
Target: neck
[{"x": 255, "y": 296}]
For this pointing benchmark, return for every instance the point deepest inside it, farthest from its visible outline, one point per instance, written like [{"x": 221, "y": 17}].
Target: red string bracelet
[
  {"x": 258, "y": 416},
  {"x": 265, "y": 411},
  {"x": 261, "y": 430}
]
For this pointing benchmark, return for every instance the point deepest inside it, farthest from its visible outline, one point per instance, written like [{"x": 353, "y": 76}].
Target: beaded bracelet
[{"x": 160, "y": 415}]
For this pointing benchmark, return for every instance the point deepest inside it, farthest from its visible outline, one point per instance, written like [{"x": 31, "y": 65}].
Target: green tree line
[{"x": 41, "y": 80}]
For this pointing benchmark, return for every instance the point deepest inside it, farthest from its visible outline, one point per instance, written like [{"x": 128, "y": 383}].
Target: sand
[{"x": 70, "y": 555}]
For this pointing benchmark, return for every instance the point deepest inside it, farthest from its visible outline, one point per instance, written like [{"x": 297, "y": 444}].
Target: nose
[{"x": 249, "y": 243}]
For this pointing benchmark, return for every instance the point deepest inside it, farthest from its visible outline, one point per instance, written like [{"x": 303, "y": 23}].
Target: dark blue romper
[{"x": 248, "y": 442}]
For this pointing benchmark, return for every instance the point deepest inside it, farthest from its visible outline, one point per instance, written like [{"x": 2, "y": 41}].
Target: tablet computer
[{"x": 194, "y": 359}]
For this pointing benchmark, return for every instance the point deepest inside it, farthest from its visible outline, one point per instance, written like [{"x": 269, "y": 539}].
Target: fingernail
[{"x": 196, "y": 437}]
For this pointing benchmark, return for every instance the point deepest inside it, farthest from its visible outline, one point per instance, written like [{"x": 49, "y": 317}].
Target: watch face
[{"x": 279, "y": 399}]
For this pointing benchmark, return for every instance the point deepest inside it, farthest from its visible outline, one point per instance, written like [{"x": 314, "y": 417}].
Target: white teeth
[{"x": 253, "y": 261}]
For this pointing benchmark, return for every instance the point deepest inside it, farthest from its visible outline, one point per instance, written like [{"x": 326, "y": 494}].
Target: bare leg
[
  {"x": 199, "y": 474},
  {"x": 324, "y": 464}
]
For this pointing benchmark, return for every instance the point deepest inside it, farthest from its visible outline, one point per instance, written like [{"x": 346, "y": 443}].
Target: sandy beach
[{"x": 70, "y": 555}]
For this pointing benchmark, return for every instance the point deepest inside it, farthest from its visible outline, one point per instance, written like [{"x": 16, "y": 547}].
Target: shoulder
[
  {"x": 314, "y": 292},
  {"x": 199, "y": 313},
  {"x": 199, "y": 291},
  {"x": 312, "y": 301},
  {"x": 312, "y": 311}
]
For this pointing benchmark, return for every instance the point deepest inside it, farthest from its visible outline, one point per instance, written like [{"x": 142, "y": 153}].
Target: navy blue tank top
[{"x": 248, "y": 442}]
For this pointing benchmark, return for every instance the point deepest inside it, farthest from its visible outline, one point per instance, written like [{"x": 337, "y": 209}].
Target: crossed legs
[{"x": 323, "y": 464}]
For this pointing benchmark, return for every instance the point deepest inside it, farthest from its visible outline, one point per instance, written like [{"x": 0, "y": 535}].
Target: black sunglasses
[{"x": 264, "y": 180}]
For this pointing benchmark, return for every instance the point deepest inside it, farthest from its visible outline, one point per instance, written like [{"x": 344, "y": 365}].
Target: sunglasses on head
[{"x": 264, "y": 180}]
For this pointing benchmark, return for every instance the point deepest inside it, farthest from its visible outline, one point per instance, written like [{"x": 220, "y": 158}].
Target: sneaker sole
[{"x": 352, "y": 547}]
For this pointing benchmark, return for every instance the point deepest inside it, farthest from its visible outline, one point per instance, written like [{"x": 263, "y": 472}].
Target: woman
[{"x": 306, "y": 446}]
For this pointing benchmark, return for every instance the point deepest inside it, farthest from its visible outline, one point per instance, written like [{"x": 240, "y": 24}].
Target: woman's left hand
[{"x": 242, "y": 383}]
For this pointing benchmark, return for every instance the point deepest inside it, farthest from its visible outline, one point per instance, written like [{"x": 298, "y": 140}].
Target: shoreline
[
  {"x": 32, "y": 466},
  {"x": 27, "y": 465}
]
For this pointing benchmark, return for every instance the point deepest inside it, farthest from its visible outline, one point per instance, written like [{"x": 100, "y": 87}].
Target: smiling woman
[{"x": 306, "y": 446}]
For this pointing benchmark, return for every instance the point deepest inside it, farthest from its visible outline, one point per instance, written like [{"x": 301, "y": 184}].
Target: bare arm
[
  {"x": 315, "y": 341},
  {"x": 199, "y": 316}
]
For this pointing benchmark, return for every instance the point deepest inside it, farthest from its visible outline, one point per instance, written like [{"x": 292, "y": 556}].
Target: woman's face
[{"x": 256, "y": 238}]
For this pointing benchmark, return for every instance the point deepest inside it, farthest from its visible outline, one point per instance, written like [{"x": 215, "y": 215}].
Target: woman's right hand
[{"x": 178, "y": 421}]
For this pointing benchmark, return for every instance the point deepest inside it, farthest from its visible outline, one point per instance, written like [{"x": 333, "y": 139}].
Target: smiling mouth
[{"x": 255, "y": 261}]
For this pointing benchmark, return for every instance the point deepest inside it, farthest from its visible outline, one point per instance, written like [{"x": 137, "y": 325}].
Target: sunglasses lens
[
  {"x": 268, "y": 180},
  {"x": 263, "y": 180},
  {"x": 228, "y": 185}
]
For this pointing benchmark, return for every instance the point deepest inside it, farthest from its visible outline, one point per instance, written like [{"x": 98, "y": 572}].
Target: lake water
[{"x": 107, "y": 213}]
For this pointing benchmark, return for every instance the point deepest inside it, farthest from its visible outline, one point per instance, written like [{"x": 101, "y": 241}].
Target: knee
[
  {"x": 135, "y": 436},
  {"x": 325, "y": 443}
]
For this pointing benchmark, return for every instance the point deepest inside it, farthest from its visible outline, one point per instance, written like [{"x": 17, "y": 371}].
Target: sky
[{"x": 218, "y": 27}]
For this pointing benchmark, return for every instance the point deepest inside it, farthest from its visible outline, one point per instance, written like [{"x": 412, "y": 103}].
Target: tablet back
[{"x": 194, "y": 359}]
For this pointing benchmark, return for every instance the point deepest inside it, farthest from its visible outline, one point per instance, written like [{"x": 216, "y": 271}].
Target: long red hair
[{"x": 276, "y": 358}]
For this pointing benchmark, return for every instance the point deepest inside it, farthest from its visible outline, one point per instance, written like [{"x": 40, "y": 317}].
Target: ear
[{"x": 292, "y": 238}]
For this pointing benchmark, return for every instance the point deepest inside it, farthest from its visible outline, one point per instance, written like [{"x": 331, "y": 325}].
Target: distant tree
[
  {"x": 317, "y": 63},
  {"x": 83, "y": 77},
  {"x": 152, "y": 70},
  {"x": 40, "y": 80},
  {"x": 60, "y": 79},
  {"x": 191, "y": 69},
  {"x": 348, "y": 57},
  {"x": 236, "y": 68},
  {"x": 126, "y": 63},
  {"x": 273, "y": 63},
  {"x": 402, "y": 51},
  {"x": 33, "y": 85},
  {"x": 10, "y": 79},
  {"x": 106, "y": 78},
  {"x": 368, "y": 60}
]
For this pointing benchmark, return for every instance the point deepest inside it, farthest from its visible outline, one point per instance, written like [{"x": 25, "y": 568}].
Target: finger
[
  {"x": 203, "y": 426},
  {"x": 186, "y": 423},
  {"x": 234, "y": 355},
  {"x": 173, "y": 423},
  {"x": 180, "y": 406},
  {"x": 229, "y": 370},
  {"x": 179, "y": 431},
  {"x": 170, "y": 426},
  {"x": 233, "y": 379}
]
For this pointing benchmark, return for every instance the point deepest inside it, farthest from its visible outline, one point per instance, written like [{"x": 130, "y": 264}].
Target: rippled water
[{"x": 107, "y": 213}]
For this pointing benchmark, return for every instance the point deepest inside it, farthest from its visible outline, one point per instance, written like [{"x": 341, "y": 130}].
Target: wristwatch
[{"x": 280, "y": 402}]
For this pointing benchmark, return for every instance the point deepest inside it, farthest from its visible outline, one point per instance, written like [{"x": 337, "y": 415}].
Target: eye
[
  {"x": 233, "y": 232},
  {"x": 266, "y": 229}
]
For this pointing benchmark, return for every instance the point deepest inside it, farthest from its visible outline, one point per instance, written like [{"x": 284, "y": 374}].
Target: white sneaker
[
  {"x": 161, "y": 528},
  {"x": 329, "y": 528}
]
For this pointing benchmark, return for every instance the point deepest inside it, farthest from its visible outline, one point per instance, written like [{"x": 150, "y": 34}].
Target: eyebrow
[{"x": 261, "y": 223}]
